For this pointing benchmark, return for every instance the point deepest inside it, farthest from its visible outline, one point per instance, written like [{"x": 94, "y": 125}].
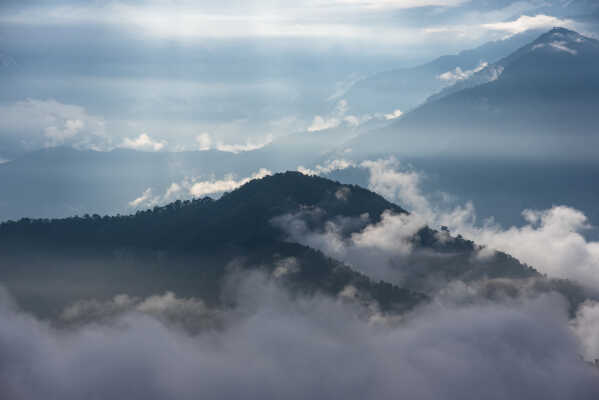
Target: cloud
[
  {"x": 393, "y": 115},
  {"x": 203, "y": 188},
  {"x": 551, "y": 241},
  {"x": 320, "y": 124},
  {"x": 194, "y": 188},
  {"x": 307, "y": 347},
  {"x": 337, "y": 118},
  {"x": 328, "y": 167},
  {"x": 145, "y": 196},
  {"x": 376, "y": 249},
  {"x": 172, "y": 190},
  {"x": 457, "y": 74},
  {"x": 389, "y": 180},
  {"x": 525, "y": 22},
  {"x": 231, "y": 19},
  {"x": 249, "y": 145},
  {"x": 204, "y": 141},
  {"x": 32, "y": 124},
  {"x": 143, "y": 142},
  {"x": 561, "y": 45},
  {"x": 188, "y": 313},
  {"x": 586, "y": 328}
]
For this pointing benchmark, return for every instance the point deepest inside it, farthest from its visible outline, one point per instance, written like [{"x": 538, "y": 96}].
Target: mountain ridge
[{"x": 510, "y": 114}]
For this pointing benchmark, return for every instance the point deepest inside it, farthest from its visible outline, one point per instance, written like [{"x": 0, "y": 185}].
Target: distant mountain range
[
  {"x": 407, "y": 88},
  {"x": 540, "y": 100}
]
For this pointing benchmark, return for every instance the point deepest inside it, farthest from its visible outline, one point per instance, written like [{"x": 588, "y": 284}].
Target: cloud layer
[
  {"x": 552, "y": 241},
  {"x": 273, "y": 346}
]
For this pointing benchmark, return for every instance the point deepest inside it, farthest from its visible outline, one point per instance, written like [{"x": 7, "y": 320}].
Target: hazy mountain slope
[
  {"x": 406, "y": 88},
  {"x": 544, "y": 102}
]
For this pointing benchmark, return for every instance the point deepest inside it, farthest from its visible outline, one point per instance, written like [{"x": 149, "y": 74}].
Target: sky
[{"x": 230, "y": 75}]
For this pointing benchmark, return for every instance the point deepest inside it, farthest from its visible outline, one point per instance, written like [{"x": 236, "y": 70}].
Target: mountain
[
  {"x": 542, "y": 49},
  {"x": 543, "y": 102},
  {"x": 190, "y": 247},
  {"x": 406, "y": 88}
]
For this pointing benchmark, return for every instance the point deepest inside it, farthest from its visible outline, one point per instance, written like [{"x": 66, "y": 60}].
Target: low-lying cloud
[
  {"x": 552, "y": 241},
  {"x": 273, "y": 346}
]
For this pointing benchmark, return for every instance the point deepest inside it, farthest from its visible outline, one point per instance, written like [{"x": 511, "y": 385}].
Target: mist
[{"x": 273, "y": 346}]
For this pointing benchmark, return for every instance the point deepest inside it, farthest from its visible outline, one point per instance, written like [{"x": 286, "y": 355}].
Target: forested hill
[
  {"x": 239, "y": 217},
  {"x": 188, "y": 247}
]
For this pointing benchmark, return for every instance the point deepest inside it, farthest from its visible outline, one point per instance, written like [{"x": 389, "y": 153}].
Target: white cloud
[
  {"x": 145, "y": 196},
  {"x": 387, "y": 179},
  {"x": 551, "y": 240},
  {"x": 32, "y": 124},
  {"x": 393, "y": 115},
  {"x": 320, "y": 124},
  {"x": 561, "y": 45},
  {"x": 457, "y": 74},
  {"x": 60, "y": 135},
  {"x": 397, "y": 4},
  {"x": 249, "y": 145},
  {"x": 172, "y": 190},
  {"x": 525, "y": 22},
  {"x": 586, "y": 328},
  {"x": 228, "y": 19},
  {"x": 372, "y": 248},
  {"x": 392, "y": 235},
  {"x": 328, "y": 167},
  {"x": 203, "y": 188},
  {"x": 204, "y": 141},
  {"x": 143, "y": 142},
  {"x": 337, "y": 118},
  {"x": 195, "y": 188}
]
